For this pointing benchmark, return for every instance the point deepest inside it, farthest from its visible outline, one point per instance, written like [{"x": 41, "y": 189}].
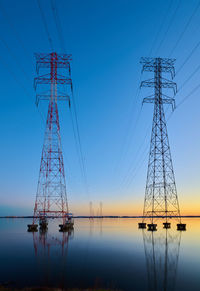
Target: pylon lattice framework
[
  {"x": 160, "y": 194},
  {"x": 51, "y": 197}
]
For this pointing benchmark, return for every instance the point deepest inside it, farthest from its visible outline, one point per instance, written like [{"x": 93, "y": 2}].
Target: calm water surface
[{"x": 108, "y": 253}]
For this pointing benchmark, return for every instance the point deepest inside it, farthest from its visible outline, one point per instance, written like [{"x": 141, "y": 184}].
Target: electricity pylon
[
  {"x": 101, "y": 209},
  {"x": 161, "y": 199},
  {"x": 91, "y": 210},
  {"x": 54, "y": 85}
]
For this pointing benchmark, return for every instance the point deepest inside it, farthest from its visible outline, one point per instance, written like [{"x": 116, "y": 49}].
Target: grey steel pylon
[{"x": 161, "y": 197}]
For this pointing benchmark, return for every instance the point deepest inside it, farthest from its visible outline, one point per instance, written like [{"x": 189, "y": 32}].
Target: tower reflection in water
[
  {"x": 162, "y": 252},
  {"x": 51, "y": 255}
]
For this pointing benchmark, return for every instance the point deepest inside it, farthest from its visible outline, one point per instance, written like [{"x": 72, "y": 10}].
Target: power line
[
  {"x": 133, "y": 171},
  {"x": 78, "y": 139},
  {"x": 128, "y": 140},
  {"x": 184, "y": 99},
  {"x": 137, "y": 168},
  {"x": 26, "y": 52},
  {"x": 77, "y": 147},
  {"x": 75, "y": 124},
  {"x": 183, "y": 85},
  {"x": 188, "y": 79},
  {"x": 188, "y": 95},
  {"x": 188, "y": 57},
  {"x": 161, "y": 26},
  {"x": 130, "y": 124},
  {"x": 185, "y": 28},
  {"x": 45, "y": 26},
  {"x": 58, "y": 25},
  {"x": 170, "y": 23},
  {"x": 138, "y": 156}
]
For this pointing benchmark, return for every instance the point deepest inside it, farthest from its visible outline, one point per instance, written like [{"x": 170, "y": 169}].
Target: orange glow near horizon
[{"x": 187, "y": 207}]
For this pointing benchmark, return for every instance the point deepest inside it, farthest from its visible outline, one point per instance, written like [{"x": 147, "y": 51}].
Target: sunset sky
[{"x": 106, "y": 38}]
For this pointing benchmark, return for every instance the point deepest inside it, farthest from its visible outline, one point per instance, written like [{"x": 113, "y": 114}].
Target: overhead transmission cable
[
  {"x": 79, "y": 141},
  {"x": 138, "y": 166},
  {"x": 138, "y": 156},
  {"x": 160, "y": 27},
  {"x": 130, "y": 125},
  {"x": 195, "y": 71},
  {"x": 185, "y": 98},
  {"x": 50, "y": 40},
  {"x": 189, "y": 78},
  {"x": 185, "y": 28},
  {"x": 58, "y": 25},
  {"x": 169, "y": 25},
  {"x": 45, "y": 25},
  {"x": 188, "y": 57},
  {"x": 75, "y": 124},
  {"x": 188, "y": 95}
]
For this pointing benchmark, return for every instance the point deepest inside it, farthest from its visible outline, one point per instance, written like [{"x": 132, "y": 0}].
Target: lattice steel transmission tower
[
  {"x": 53, "y": 85},
  {"x": 161, "y": 198},
  {"x": 101, "y": 209}
]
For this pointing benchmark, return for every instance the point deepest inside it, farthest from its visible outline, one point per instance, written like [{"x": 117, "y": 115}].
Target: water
[{"x": 101, "y": 253}]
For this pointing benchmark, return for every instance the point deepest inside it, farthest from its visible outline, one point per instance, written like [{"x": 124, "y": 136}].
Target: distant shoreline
[{"x": 107, "y": 216}]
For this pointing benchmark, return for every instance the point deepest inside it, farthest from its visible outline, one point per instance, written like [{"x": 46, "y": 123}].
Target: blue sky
[{"x": 106, "y": 40}]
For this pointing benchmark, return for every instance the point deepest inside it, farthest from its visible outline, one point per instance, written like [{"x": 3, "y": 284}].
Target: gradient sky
[{"x": 107, "y": 39}]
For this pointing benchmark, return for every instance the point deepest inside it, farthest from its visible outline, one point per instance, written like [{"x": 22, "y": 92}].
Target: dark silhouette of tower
[
  {"x": 161, "y": 198},
  {"x": 53, "y": 85}
]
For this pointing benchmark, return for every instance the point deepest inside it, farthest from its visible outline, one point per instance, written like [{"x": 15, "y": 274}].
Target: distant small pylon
[
  {"x": 101, "y": 209},
  {"x": 91, "y": 210}
]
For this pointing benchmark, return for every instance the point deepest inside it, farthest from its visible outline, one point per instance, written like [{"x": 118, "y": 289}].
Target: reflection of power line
[{"x": 161, "y": 252}]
